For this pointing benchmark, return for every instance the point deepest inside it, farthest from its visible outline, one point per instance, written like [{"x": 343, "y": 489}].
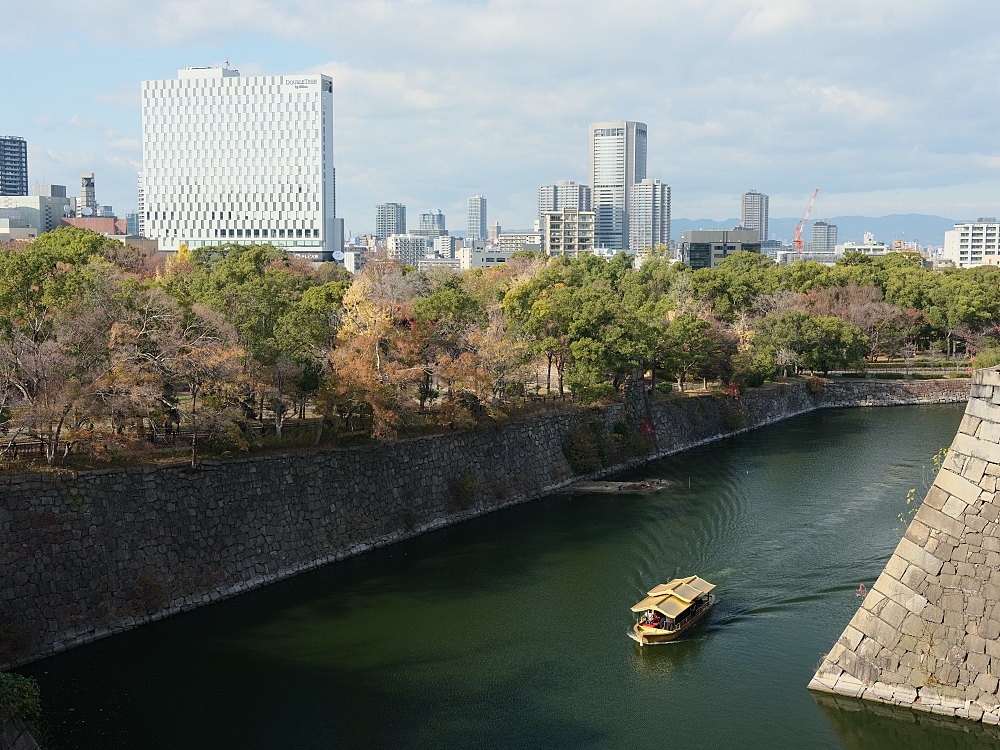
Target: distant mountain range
[{"x": 929, "y": 230}]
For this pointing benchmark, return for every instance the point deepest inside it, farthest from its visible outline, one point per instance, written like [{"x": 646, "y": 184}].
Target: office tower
[
  {"x": 568, "y": 232},
  {"x": 617, "y": 161},
  {"x": 244, "y": 159},
  {"x": 477, "y": 218},
  {"x": 390, "y": 218},
  {"x": 494, "y": 232},
  {"x": 132, "y": 224},
  {"x": 49, "y": 191},
  {"x": 754, "y": 214},
  {"x": 564, "y": 194},
  {"x": 141, "y": 220},
  {"x": 88, "y": 194},
  {"x": 13, "y": 165},
  {"x": 649, "y": 215},
  {"x": 824, "y": 237}
]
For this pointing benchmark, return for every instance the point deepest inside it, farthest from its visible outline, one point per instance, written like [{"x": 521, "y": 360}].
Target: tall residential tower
[
  {"x": 564, "y": 194},
  {"x": 649, "y": 215},
  {"x": 617, "y": 161},
  {"x": 477, "y": 218},
  {"x": 754, "y": 214},
  {"x": 13, "y": 165},
  {"x": 245, "y": 159},
  {"x": 390, "y": 218}
]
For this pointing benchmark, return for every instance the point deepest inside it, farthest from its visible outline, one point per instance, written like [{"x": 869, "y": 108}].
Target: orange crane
[{"x": 802, "y": 225}]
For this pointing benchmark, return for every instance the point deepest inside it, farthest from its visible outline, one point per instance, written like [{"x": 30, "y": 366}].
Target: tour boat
[{"x": 672, "y": 608}]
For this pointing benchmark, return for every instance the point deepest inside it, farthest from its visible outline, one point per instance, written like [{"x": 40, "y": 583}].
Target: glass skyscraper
[{"x": 617, "y": 161}]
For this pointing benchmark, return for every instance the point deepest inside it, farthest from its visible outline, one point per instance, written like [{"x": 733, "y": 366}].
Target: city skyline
[{"x": 876, "y": 138}]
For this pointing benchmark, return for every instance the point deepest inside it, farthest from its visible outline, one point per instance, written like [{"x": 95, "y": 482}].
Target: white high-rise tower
[
  {"x": 617, "y": 161},
  {"x": 754, "y": 215},
  {"x": 477, "y": 218},
  {"x": 239, "y": 159},
  {"x": 649, "y": 215}
]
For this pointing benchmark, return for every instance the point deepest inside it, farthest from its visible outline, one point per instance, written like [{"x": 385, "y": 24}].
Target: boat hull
[{"x": 647, "y": 636}]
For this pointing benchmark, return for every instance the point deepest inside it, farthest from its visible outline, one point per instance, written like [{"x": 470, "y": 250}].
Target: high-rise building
[
  {"x": 494, "y": 232},
  {"x": 390, "y": 218},
  {"x": 564, "y": 194},
  {"x": 13, "y": 165},
  {"x": 617, "y": 161},
  {"x": 568, "y": 232},
  {"x": 244, "y": 159},
  {"x": 824, "y": 237},
  {"x": 649, "y": 215},
  {"x": 433, "y": 224},
  {"x": 754, "y": 213},
  {"x": 477, "y": 218},
  {"x": 88, "y": 194}
]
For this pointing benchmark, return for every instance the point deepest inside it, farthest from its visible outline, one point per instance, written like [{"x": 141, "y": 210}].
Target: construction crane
[{"x": 802, "y": 224}]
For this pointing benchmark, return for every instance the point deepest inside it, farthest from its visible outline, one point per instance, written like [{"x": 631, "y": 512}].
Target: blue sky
[{"x": 887, "y": 107}]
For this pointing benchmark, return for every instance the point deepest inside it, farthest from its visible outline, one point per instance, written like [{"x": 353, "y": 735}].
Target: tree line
[{"x": 103, "y": 349}]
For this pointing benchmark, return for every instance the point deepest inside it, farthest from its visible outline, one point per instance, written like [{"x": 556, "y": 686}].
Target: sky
[{"x": 887, "y": 107}]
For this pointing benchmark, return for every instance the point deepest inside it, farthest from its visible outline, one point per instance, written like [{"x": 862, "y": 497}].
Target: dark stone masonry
[
  {"x": 927, "y": 636},
  {"x": 89, "y": 554}
]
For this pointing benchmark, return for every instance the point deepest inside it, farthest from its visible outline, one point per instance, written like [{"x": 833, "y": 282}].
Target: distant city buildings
[
  {"x": 564, "y": 194},
  {"x": 41, "y": 212},
  {"x": 431, "y": 225},
  {"x": 569, "y": 232},
  {"x": 13, "y": 166},
  {"x": 867, "y": 247},
  {"x": 617, "y": 160},
  {"x": 479, "y": 255},
  {"x": 754, "y": 213},
  {"x": 88, "y": 195},
  {"x": 701, "y": 248},
  {"x": 649, "y": 215},
  {"x": 390, "y": 218},
  {"x": 513, "y": 242},
  {"x": 477, "y": 218},
  {"x": 14, "y": 227},
  {"x": 243, "y": 159},
  {"x": 406, "y": 248},
  {"x": 971, "y": 243},
  {"x": 494, "y": 232},
  {"x": 824, "y": 237}
]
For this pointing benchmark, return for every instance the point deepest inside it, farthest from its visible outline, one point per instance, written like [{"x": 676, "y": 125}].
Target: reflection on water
[
  {"x": 863, "y": 725},
  {"x": 510, "y": 630}
]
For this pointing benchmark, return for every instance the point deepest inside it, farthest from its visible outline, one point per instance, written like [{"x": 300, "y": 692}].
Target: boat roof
[{"x": 671, "y": 599}]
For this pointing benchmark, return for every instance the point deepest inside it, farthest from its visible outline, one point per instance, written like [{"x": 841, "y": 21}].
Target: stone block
[
  {"x": 975, "y": 468},
  {"x": 935, "y": 519},
  {"x": 935, "y": 498},
  {"x": 969, "y": 424},
  {"x": 989, "y": 432},
  {"x": 898, "y": 592},
  {"x": 919, "y": 557},
  {"x": 973, "y": 446}
]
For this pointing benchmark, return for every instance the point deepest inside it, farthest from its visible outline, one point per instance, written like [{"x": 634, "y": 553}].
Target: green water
[{"x": 509, "y": 631}]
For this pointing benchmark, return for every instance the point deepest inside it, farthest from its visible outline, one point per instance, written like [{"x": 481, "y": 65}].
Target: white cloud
[{"x": 438, "y": 100}]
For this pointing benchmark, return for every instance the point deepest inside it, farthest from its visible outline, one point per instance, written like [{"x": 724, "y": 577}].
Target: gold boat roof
[{"x": 672, "y": 598}]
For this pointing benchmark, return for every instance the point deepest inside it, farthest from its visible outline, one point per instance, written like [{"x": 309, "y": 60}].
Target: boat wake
[{"x": 631, "y": 634}]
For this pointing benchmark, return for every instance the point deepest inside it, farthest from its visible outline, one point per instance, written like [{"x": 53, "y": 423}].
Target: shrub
[
  {"x": 734, "y": 420},
  {"x": 626, "y": 441},
  {"x": 464, "y": 490},
  {"x": 585, "y": 450},
  {"x": 891, "y": 376},
  {"x": 814, "y": 384},
  {"x": 21, "y": 696},
  {"x": 986, "y": 358}
]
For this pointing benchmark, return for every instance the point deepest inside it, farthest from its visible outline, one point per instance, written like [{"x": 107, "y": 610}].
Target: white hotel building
[{"x": 239, "y": 159}]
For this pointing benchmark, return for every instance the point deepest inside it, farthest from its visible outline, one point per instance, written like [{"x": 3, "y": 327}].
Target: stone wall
[
  {"x": 88, "y": 554},
  {"x": 927, "y": 635}
]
